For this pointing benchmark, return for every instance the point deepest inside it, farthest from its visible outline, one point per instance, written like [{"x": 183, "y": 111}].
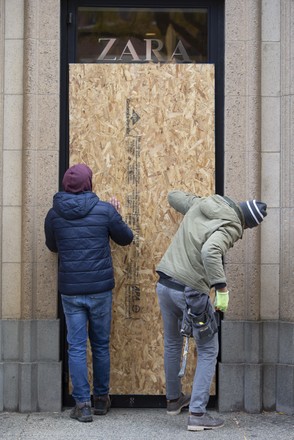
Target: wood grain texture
[{"x": 144, "y": 130}]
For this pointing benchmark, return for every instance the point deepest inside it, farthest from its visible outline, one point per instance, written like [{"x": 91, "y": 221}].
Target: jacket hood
[
  {"x": 215, "y": 207},
  {"x": 71, "y": 206}
]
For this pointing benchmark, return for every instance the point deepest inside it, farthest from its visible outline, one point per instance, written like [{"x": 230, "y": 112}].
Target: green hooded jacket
[{"x": 209, "y": 228}]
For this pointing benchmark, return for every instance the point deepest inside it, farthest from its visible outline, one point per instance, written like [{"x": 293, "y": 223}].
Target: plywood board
[{"x": 144, "y": 130}]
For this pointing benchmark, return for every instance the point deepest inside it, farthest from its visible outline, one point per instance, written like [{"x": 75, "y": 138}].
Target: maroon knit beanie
[{"x": 77, "y": 178}]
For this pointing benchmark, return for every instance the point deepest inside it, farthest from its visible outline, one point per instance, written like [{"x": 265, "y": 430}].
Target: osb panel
[{"x": 144, "y": 130}]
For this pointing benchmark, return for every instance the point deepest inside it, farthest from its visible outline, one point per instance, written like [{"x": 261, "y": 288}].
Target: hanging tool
[{"x": 185, "y": 355}]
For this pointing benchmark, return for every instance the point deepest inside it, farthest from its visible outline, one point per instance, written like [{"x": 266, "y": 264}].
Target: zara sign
[{"x": 153, "y": 49}]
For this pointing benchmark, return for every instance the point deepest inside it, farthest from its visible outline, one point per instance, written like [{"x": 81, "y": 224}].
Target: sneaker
[
  {"x": 174, "y": 407},
  {"x": 101, "y": 405},
  {"x": 82, "y": 414},
  {"x": 199, "y": 423}
]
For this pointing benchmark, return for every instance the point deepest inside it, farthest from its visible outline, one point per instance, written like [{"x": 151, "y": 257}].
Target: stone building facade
[{"x": 256, "y": 368}]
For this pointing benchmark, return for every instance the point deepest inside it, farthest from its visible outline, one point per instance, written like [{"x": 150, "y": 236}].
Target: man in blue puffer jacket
[{"x": 78, "y": 227}]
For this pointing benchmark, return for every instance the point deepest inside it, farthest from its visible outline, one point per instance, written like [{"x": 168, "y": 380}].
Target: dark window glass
[{"x": 142, "y": 35}]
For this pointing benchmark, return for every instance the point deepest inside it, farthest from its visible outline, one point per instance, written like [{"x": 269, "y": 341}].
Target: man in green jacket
[{"x": 191, "y": 266}]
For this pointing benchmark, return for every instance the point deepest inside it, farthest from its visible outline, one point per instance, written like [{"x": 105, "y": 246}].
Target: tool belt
[{"x": 200, "y": 324}]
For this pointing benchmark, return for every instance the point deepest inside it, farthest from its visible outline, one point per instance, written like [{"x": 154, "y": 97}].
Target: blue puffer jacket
[{"x": 78, "y": 227}]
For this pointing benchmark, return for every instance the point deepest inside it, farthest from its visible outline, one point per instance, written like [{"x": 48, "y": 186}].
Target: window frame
[{"x": 215, "y": 56}]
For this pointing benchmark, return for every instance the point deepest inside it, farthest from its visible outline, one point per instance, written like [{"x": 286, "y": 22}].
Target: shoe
[
  {"x": 174, "y": 407},
  {"x": 199, "y": 423},
  {"x": 101, "y": 405},
  {"x": 82, "y": 414}
]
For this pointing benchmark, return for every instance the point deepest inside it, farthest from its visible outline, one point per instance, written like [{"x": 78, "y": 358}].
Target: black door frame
[{"x": 68, "y": 50}]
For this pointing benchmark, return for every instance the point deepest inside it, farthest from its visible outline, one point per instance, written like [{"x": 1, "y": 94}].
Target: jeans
[
  {"x": 88, "y": 315},
  {"x": 172, "y": 304}
]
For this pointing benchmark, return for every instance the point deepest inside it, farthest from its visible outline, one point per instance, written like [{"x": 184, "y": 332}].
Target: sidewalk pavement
[{"x": 143, "y": 424}]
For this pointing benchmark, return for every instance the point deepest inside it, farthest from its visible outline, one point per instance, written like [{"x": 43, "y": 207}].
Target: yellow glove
[{"x": 221, "y": 301}]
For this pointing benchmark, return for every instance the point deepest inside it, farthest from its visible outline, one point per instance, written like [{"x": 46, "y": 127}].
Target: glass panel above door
[{"x": 128, "y": 35}]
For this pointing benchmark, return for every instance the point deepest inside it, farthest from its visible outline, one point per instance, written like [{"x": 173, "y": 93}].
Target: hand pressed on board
[{"x": 113, "y": 200}]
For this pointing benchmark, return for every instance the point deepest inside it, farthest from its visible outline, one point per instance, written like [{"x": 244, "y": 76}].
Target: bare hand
[{"x": 113, "y": 200}]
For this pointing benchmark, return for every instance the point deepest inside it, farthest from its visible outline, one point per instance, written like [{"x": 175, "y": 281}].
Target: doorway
[{"x": 146, "y": 134}]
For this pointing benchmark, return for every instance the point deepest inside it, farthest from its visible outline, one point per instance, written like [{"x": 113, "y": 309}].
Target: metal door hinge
[{"x": 69, "y": 18}]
